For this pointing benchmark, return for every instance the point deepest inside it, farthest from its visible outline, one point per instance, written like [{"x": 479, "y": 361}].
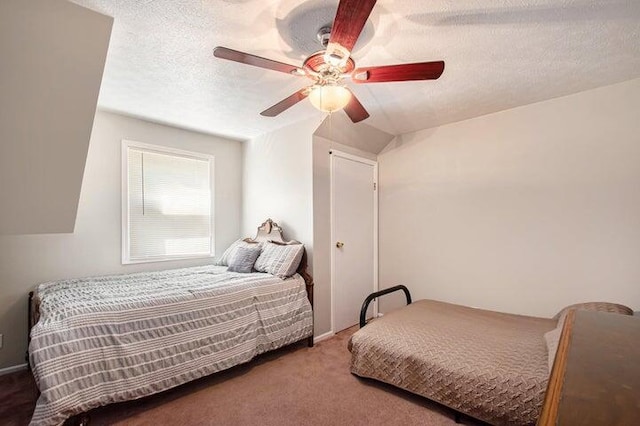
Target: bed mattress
[
  {"x": 109, "y": 339},
  {"x": 489, "y": 365}
]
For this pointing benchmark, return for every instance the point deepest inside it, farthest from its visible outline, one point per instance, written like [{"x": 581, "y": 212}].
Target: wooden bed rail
[
  {"x": 373, "y": 296},
  {"x": 29, "y": 327}
]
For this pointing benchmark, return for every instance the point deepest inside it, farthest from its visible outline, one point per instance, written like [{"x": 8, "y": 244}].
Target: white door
[{"x": 354, "y": 235}]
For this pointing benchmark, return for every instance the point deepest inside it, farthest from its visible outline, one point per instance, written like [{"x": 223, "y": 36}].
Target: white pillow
[
  {"x": 228, "y": 253},
  {"x": 281, "y": 260},
  {"x": 553, "y": 339}
]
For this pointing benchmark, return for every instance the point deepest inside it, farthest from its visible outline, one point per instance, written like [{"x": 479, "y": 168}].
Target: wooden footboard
[
  {"x": 271, "y": 231},
  {"x": 33, "y": 314},
  {"x": 308, "y": 280}
]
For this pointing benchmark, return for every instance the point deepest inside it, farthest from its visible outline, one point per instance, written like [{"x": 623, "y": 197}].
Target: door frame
[{"x": 332, "y": 154}]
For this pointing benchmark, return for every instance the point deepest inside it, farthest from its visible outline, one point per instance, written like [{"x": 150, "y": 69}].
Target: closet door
[{"x": 354, "y": 236}]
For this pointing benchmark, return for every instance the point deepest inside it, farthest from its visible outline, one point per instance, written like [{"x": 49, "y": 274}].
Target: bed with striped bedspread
[{"x": 109, "y": 339}]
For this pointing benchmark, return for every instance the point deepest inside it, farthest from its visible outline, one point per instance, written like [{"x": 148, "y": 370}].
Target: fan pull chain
[{"x": 142, "y": 169}]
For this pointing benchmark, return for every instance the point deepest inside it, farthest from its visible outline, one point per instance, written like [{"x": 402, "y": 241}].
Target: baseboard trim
[
  {"x": 12, "y": 369},
  {"x": 324, "y": 336}
]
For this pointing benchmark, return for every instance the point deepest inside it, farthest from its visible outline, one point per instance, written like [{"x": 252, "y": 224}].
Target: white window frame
[{"x": 126, "y": 144}]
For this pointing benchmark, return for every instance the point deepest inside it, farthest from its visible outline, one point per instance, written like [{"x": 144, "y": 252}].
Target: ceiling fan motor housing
[
  {"x": 323, "y": 35},
  {"x": 317, "y": 65}
]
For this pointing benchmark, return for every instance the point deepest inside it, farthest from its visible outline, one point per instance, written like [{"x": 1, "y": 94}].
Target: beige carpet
[{"x": 292, "y": 386}]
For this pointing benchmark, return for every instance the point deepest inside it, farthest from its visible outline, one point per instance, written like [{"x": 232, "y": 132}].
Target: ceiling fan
[{"x": 330, "y": 66}]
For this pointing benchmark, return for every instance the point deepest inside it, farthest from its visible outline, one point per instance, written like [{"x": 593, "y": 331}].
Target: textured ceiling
[{"x": 498, "y": 55}]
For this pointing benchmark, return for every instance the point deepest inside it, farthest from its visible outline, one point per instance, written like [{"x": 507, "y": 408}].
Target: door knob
[{"x": 339, "y": 244}]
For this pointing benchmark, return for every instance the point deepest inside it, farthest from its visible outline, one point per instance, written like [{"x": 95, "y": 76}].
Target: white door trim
[{"x": 334, "y": 153}]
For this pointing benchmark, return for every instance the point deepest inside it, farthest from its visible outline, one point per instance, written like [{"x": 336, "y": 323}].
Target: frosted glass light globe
[{"x": 329, "y": 98}]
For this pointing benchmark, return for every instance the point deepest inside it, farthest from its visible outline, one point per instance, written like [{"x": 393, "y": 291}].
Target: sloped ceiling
[
  {"x": 338, "y": 128},
  {"x": 498, "y": 55},
  {"x": 49, "y": 85}
]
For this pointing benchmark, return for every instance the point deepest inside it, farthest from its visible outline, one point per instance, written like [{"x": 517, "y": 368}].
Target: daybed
[
  {"x": 109, "y": 339},
  {"x": 489, "y": 365}
]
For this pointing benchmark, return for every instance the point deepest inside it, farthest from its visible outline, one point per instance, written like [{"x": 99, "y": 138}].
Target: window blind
[{"x": 169, "y": 205}]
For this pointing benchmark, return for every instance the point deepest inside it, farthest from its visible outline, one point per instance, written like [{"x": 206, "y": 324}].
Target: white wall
[
  {"x": 339, "y": 128},
  {"x": 277, "y": 184},
  {"x": 524, "y": 211},
  {"x": 94, "y": 247},
  {"x": 277, "y": 180},
  {"x": 53, "y": 54}
]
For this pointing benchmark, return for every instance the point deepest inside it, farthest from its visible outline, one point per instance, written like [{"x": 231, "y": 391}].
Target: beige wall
[
  {"x": 523, "y": 211},
  {"x": 94, "y": 247},
  {"x": 52, "y": 54}
]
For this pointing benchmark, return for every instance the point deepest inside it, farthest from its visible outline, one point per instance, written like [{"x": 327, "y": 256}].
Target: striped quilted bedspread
[
  {"x": 109, "y": 339},
  {"x": 489, "y": 365}
]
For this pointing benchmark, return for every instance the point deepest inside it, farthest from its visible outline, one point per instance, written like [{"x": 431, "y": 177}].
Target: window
[{"x": 167, "y": 203}]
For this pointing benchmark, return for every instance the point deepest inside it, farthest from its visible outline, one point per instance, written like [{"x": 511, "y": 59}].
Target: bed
[
  {"x": 101, "y": 340},
  {"x": 489, "y": 365}
]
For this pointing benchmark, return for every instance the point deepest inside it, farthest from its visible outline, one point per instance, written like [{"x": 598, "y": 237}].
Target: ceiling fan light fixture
[
  {"x": 329, "y": 98},
  {"x": 334, "y": 59}
]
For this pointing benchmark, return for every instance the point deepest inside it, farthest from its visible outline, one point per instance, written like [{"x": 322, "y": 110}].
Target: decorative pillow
[
  {"x": 594, "y": 306},
  {"x": 243, "y": 259},
  {"x": 281, "y": 260},
  {"x": 553, "y": 339},
  {"x": 224, "y": 259}
]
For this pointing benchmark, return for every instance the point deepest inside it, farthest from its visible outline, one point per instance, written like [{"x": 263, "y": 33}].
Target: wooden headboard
[{"x": 271, "y": 231}]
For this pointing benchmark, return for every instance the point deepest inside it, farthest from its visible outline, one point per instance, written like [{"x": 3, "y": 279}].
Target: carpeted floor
[{"x": 296, "y": 385}]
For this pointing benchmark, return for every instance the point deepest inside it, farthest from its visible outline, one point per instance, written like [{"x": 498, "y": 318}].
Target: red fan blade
[
  {"x": 355, "y": 110},
  {"x": 347, "y": 26},
  {"x": 402, "y": 72},
  {"x": 286, "y": 103},
  {"x": 256, "y": 61}
]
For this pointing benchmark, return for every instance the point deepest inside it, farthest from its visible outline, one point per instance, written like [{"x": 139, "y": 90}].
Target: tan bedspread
[{"x": 489, "y": 365}]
